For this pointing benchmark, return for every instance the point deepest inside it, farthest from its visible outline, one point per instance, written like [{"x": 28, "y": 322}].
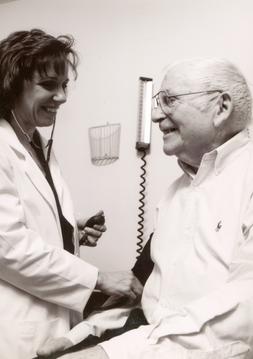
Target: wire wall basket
[{"x": 104, "y": 143}]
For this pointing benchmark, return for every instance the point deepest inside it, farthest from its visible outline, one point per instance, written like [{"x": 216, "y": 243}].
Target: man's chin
[{"x": 169, "y": 151}]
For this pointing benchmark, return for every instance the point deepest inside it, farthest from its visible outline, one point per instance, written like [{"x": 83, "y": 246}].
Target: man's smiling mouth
[{"x": 170, "y": 130}]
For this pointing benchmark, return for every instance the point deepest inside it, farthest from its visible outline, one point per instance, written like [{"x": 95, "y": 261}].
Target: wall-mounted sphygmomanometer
[
  {"x": 104, "y": 145},
  {"x": 143, "y": 145}
]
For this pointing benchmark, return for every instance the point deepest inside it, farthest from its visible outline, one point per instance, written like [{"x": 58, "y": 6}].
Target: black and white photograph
[{"x": 126, "y": 179}]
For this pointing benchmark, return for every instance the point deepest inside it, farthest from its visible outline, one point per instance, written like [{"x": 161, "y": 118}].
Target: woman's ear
[{"x": 224, "y": 108}]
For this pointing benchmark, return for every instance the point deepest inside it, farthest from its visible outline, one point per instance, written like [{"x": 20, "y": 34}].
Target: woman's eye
[
  {"x": 51, "y": 86},
  {"x": 48, "y": 85}
]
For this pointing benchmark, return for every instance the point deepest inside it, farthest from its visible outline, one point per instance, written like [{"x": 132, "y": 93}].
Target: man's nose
[{"x": 157, "y": 114}]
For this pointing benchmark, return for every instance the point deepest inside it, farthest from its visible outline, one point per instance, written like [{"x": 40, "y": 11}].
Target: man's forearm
[{"x": 96, "y": 352}]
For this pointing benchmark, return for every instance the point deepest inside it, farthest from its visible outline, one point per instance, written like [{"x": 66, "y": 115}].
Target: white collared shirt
[{"x": 199, "y": 297}]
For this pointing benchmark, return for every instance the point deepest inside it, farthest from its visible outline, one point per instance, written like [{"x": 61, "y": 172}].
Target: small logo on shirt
[{"x": 218, "y": 227}]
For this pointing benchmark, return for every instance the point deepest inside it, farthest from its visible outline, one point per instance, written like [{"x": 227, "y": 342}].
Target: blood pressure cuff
[
  {"x": 142, "y": 270},
  {"x": 144, "y": 264}
]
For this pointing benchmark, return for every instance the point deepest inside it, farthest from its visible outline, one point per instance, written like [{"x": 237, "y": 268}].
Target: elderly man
[{"x": 198, "y": 300}]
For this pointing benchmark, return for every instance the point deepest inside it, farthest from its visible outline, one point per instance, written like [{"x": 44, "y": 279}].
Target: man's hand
[
  {"x": 53, "y": 346},
  {"x": 122, "y": 283},
  {"x": 89, "y": 234}
]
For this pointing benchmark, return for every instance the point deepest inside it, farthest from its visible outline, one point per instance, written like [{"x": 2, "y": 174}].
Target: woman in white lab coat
[{"x": 42, "y": 280}]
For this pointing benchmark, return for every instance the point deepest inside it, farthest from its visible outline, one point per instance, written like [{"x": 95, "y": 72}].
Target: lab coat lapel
[
  {"x": 30, "y": 167},
  {"x": 39, "y": 181}
]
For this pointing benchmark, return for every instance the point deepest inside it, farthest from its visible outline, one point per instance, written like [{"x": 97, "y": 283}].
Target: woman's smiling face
[{"x": 40, "y": 99}]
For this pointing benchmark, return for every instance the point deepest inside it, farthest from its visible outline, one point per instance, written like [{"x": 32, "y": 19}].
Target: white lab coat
[{"x": 40, "y": 283}]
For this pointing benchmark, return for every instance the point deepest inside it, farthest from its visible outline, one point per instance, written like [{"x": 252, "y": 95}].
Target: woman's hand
[
  {"x": 91, "y": 229},
  {"x": 121, "y": 283}
]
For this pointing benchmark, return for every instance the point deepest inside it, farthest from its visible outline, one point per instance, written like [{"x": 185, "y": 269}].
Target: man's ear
[{"x": 224, "y": 108}]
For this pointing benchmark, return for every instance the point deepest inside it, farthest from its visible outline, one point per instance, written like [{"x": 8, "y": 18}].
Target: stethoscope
[
  {"x": 50, "y": 141},
  {"x": 29, "y": 139}
]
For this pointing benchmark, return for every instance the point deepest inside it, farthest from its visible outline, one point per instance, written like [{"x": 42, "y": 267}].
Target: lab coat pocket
[
  {"x": 44, "y": 330},
  {"x": 21, "y": 339},
  {"x": 15, "y": 343}
]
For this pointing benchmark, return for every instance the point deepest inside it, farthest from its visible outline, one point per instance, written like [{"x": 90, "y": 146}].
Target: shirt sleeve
[
  {"x": 97, "y": 323},
  {"x": 32, "y": 265}
]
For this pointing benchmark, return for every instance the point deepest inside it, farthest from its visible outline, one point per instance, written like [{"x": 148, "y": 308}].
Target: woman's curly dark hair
[{"x": 24, "y": 52}]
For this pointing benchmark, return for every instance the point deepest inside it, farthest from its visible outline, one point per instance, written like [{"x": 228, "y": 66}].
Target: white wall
[{"x": 118, "y": 41}]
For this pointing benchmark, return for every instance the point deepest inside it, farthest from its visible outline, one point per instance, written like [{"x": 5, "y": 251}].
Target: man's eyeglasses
[{"x": 166, "y": 101}]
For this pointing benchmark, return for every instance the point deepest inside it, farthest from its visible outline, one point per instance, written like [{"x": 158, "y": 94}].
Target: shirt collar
[
  {"x": 227, "y": 150},
  {"x": 220, "y": 155},
  {"x": 188, "y": 170}
]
